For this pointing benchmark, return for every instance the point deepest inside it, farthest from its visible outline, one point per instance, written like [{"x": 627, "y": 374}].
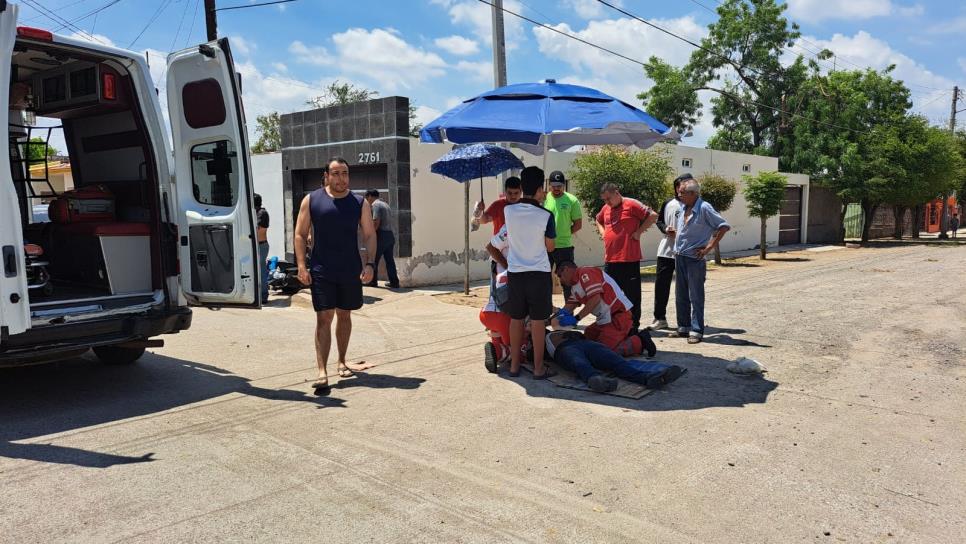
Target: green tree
[
  {"x": 839, "y": 145},
  {"x": 764, "y": 193},
  {"x": 741, "y": 63},
  {"x": 39, "y": 151},
  {"x": 910, "y": 164},
  {"x": 269, "y": 137},
  {"x": 720, "y": 192},
  {"x": 414, "y": 126},
  {"x": 644, "y": 175},
  {"x": 340, "y": 93}
]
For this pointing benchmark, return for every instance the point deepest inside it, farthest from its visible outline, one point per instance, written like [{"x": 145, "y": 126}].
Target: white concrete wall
[
  {"x": 437, "y": 208},
  {"x": 267, "y": 173}
]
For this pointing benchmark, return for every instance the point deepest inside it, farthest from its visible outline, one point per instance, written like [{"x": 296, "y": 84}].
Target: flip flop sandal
[
  {"x": 321, "y": 388},
  {"x": 513, "y": 374},
  {"x": 346, "y": 372}
]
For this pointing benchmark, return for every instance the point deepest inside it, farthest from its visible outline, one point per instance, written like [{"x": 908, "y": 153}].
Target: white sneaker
[{"x": 657, "y": 325}]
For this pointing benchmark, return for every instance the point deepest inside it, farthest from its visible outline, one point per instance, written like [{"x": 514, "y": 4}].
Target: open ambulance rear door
[
  {"x": 14, "y": 302},
  {"x": 218, "y": 249}
]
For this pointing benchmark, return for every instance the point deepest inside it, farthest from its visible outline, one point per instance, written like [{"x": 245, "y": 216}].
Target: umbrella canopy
[
  {"x": 547, "y": 115},
  {"x": 473, "y": 161}
]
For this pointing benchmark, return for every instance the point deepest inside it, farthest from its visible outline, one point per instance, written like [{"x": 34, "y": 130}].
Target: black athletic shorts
[
  {"x": 329, "y": 295},
  {"x": 530, "y": 295}
]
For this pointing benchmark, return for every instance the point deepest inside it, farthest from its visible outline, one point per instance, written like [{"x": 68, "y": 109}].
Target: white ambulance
[{"x": 149, "y": 226}]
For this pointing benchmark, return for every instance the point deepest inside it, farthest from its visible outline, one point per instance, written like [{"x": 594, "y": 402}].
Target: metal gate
[{"x": 790, "y": 218}]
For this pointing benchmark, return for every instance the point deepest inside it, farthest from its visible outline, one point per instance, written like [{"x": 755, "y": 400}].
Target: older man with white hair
[{"x": 699, "y": 229}]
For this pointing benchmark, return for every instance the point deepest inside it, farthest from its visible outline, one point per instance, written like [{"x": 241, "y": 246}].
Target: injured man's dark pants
[{"x": 588, "y": 359}]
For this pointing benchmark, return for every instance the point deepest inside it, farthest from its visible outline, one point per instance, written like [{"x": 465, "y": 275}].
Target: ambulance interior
[{"x": 98, "y": 245}]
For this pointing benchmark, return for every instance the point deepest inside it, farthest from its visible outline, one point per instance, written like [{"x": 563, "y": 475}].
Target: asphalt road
[{"x": 856, "y": 434}]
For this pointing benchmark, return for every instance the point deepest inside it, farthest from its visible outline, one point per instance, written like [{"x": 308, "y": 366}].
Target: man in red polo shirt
[
  {"x": 600, "y": 295},
  {"x": 512, "y": 191},
  {"x": 621, "y": 222}
]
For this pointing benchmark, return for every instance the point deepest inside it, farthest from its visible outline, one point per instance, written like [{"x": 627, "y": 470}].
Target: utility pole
[
  {"x": 952, "y": 130},
  {"x": 211, "y": 20},
  {"x": 499, "y": 45}
]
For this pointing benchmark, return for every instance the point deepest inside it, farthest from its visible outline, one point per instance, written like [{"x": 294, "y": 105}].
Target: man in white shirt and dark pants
[
  {"x": 530, "y": 230},
  {"x": 667, "y": 219}
]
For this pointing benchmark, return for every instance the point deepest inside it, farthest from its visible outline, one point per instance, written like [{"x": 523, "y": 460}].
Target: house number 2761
[{"x": 369, "y": 158}]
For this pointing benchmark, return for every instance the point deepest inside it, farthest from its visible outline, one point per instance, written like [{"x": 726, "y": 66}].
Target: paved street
[{"x": 856, "y": 434}]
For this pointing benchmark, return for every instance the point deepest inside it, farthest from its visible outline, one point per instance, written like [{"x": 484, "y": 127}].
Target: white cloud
[
  {"x": 863, "y": 49},
  {"x": 479, "y": 18},
  {"x": 280, "y": 67},
  {"x": 379, "y": 54},
  {"x": 819, "y": 10},
  {"x": 425, "y": 114},
  {"x": 591, "y": 9},
  {"x": 99, "y": 39},
  {"x": 613, "y": 75},
  {"x": 457, "y": 45},
  {"x": 479, "y": 71},
  {"x": 241, "y": 45},
  {"x": 453, "y": 101},
  {"x": 962, "y": 63},
  {"x": 953, "y": 26}
]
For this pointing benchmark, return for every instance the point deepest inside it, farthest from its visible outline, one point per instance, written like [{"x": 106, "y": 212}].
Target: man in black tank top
[{"x": 333, "y": 216}]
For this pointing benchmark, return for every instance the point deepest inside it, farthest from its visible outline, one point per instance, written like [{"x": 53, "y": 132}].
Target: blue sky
[{"x": 438, "y": 52}]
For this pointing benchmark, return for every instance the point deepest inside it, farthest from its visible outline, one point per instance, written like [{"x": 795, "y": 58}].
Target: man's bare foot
[{"x": 321, "y": 383}]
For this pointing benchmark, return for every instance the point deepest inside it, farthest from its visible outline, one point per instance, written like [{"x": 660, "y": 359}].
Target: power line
[
  {"x": 42, "y": 15},
  {"x": 184, "y": 12},
  {"x": 255, "y": 5},
  {"x": 164, "y": 4},
  {"x": 91, "y": 13},
  {"x": 60, "y": 20},
  {"x": 191, "y": 28}
]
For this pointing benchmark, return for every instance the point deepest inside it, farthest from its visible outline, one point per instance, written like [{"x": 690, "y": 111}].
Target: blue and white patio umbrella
[{"x": 547, "y": 115}]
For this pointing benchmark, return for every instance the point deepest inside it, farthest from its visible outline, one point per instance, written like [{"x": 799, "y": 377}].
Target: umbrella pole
[
  {"x": 546, "y": 150},
  {"x": 466, "y": 238}
]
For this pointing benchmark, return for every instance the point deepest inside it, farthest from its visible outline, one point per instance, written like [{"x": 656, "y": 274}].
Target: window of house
[
  {"x": 686, "y": 163},
  {"x": 214, "y": 173},
  {"x": 746, "y": 168}
]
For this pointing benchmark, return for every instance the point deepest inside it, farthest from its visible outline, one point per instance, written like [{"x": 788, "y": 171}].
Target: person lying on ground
[
  {"x": 594, "y": 292},
  {"x": 589, "y": 360}
]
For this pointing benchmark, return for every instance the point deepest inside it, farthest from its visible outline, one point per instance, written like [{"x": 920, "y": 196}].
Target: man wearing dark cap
[{"x": 566, "y": 212}]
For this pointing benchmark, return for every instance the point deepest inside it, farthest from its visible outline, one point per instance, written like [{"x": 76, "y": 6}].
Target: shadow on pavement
[
  {"x": 706, "y": 385},
  {"x": 81, "y": 392},
  {"x": 378, "y": 381}
]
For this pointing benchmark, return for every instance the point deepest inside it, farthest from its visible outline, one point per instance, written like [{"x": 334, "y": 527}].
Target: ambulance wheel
[{"x": 114, "y": 355}]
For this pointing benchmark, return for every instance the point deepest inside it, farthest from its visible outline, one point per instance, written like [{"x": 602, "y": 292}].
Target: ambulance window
[
  {"x": 214, "y": 173},
  {"x": 204, "y": 103}
]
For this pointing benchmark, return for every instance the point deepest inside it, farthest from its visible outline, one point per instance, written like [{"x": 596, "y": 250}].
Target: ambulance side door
[
  {"x": 213, "y": 184},
  {"x": 14, "y": 301}
]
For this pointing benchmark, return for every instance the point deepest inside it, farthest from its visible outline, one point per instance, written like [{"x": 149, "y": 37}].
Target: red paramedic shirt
[
  {"x": 620, "y": 222},
  {"x": 593, "y": 281},
  {"x": 496, "y": 212}
]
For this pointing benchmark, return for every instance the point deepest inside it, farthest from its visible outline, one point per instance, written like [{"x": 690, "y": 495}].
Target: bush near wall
[{"x": 644, "y": 175}]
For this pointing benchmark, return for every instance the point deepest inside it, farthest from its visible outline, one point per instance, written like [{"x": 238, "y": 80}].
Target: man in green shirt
[{"x": 566, "y": 211}]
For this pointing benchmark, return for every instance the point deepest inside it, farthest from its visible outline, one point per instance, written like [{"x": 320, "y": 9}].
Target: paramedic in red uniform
[
  {"x": 598, "y": 294},
  {"x": 333, "y": 216},
  {"x": 621, "y": 222}
]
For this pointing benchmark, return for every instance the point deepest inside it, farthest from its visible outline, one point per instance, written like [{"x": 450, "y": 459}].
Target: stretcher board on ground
[{"x": 568, "y": 380}]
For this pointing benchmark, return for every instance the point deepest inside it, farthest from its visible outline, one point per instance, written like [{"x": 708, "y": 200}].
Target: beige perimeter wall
[{"x": 437, "y": 211}]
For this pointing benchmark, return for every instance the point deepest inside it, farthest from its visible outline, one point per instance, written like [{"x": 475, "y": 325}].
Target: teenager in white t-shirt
[
  {"x": 665, "y": 256},
  {"x": 530, "y": 233}
]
